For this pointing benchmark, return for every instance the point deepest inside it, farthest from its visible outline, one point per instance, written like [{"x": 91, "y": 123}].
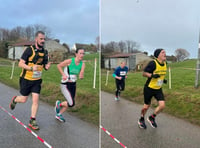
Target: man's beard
[{"x": 40, "y": 46}]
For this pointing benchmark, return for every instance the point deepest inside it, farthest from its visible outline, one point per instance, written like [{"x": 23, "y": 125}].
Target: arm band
[{"x": 114, "y": 75}]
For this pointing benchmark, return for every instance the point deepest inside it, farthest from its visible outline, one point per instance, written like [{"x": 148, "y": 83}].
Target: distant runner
[
  {"x": 72, "y": 68},
  {"x": 120, "y": 74},
  {"x": 155, "y": 71}
]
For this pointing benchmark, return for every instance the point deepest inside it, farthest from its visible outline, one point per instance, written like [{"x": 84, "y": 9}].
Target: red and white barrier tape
[
  {"x": 107, "y": 132},
  {"x": 33, "y": 133}
]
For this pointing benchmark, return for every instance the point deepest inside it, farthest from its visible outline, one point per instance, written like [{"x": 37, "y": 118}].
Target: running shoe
[
  {"x": 60, "y": 117},
  {"x": 152, "y": 121},
  {"x": 141, "y": 123},
  {"x": 12, "y": 103},
  {"x": 33, "y": 124},
  {"x": 57, "y": 107},
  {"x": 116, "y": 98}
]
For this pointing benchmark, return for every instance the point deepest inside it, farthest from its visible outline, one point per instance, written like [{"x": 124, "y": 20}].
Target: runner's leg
[
  {"x": 21, "y": 99},
  {"x": 35, "y": 101},
  {"x": 161, "y": 106}
]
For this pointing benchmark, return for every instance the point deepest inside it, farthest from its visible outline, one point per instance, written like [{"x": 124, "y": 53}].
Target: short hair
[
  {"x": 39, "y": 32},
  {"x": 79, "y": 49},
  {"x": 122, "y": 61}
]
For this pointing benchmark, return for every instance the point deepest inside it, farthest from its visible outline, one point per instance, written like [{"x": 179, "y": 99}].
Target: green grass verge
[
  {"x": 87, "y": 97},
  {"x": 182, "y": 101}
]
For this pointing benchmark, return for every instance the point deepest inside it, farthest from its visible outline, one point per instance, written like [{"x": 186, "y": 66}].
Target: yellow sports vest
[
  {"x": 156, "y": 83},
  {"x": 34, "y": 75}
]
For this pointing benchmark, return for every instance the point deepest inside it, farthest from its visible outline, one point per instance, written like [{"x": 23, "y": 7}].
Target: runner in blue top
[
  {"x": 70, "y": 69},
  {"x": 120, "y": 74}
]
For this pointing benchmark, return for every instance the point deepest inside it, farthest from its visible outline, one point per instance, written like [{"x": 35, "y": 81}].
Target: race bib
[
  {"x": 122, "y": 73},
  {"x": 159, "y": 82},
  {"x": 37, "y": 74},
  {"x": 73, "y": 78}
]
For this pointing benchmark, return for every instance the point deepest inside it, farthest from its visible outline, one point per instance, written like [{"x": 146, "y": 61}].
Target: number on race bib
[{"x": 37, "y": 74}]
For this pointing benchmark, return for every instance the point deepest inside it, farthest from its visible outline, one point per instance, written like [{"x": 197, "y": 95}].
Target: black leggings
[{"x": 120, "y": 85}]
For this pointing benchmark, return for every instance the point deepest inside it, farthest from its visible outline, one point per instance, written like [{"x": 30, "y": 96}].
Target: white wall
[
  {"x": 141, "y": 57},
  {"x": 18, "y": 52},
  {"x": 114, "y": 62}
]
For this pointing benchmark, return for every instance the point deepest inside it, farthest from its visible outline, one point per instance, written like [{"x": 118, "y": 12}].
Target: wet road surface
[
  {"x": 120, "y": 119},
  {"x": 74, "y": 133}
]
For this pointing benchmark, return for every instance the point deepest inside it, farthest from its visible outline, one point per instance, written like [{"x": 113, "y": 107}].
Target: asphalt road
[
  {"x": 120, "y": 119},
  {"x": 74, "y": 133}
]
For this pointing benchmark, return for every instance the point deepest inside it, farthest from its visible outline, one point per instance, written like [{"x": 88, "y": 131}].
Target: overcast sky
[
  {"x": 168, "y": 24},
  {"x": 71, "y": 21}
]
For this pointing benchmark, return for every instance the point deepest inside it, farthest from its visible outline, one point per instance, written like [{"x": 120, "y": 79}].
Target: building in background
[
  {"x": 57, "y": 52},
  {"x": 135, "y": 61}
]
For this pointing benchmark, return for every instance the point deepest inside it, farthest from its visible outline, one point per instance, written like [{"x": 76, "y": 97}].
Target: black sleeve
[
  {"x": 150, "y": 67},
  {"x": 45, "y": 61},
  {"x": 26, "y": 54}
]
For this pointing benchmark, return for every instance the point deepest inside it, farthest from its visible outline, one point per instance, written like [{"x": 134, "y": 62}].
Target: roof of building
[
  {"x": 50, "y": 45},
  {"x": 79, "y": 45},
  {"x": 121, "y": 55},
  {"x": 24, "y": 43}
]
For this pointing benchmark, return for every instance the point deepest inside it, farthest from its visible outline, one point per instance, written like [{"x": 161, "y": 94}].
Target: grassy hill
[
  {"x": 182, "y": 100},
  {"x": 87, "y": 97}
]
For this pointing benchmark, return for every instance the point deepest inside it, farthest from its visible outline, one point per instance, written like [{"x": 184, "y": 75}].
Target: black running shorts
[
  {"x": 28, "y": 86},
  {"x": 149, "y": 93}
]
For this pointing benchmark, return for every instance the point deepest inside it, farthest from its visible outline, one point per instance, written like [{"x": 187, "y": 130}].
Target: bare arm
[
  {"x": 48, "y": 65},
  {"x": 24, "y": 66},
  {"x": 81, "y": 75},
  {"x": 63, "y": 64},
  {"x": 126, "y": 75}
]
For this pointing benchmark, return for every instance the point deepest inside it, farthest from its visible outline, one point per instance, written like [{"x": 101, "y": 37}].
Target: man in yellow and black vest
[
  {"x": 33, "y": 61},
  {"x": 155, "y": 72}
]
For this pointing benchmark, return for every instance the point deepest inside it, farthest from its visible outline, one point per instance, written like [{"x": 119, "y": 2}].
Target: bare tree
[
  {"x": 1, "y": 34},
  {"x": 127, "y": 46},
  {"x": 111, "y": 46},
  {"x": 122, "y": 46},
  {"x": 181, "y": 54},
  {"x": 103, "y": 48},
  {"x": 5, "y": 34},
  {"x": 22, "y": 33},
  {"x": 15, "y": 33},
  {"x": 3, "y": 49},
  {"x": 43, "y": 28},
  {"x": 29, "y": 32},
  {"x": 132, "y": 46}
]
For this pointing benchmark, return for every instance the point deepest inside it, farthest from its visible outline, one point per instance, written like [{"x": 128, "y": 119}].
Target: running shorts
[
  {"x": 149, "y": 93},
  {"x": 29, "y": 86}
]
